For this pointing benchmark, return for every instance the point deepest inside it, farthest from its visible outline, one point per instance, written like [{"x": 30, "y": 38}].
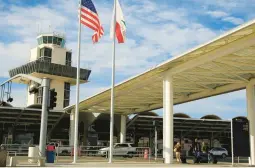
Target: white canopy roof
[{"x": 222, "y": 65}]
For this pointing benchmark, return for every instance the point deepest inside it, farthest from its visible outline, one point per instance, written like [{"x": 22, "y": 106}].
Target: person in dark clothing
[
  {"x": 190, "y": 150},
  {"x": 197, "y": 146},
  {"x": 196, "y": 150}
]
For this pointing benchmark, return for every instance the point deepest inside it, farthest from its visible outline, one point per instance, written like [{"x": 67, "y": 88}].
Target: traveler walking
[{"x": 177, "y": 150}]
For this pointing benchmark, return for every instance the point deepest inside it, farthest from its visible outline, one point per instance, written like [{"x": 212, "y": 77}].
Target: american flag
[{"x": 89, "y": 17}]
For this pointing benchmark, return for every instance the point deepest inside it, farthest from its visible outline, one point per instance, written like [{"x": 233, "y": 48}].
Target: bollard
[
  {"x": 13, "y": 162},
  {"x": 79, "y": 151},
  {"x": 41, "y": 162}
]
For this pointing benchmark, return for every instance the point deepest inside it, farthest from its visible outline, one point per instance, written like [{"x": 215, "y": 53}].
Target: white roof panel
[{"x": 222, "y": 65}]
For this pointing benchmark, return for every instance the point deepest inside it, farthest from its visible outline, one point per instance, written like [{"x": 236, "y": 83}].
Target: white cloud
[
  {"x": 13, "y": 55},
  {"x": 25, "y": 22},
  {"x": 225, "y": 17},
  {"x": 217, "y": 14},
  {"x": 173, "y": 39},
  {"x": 234, "y": 20}
]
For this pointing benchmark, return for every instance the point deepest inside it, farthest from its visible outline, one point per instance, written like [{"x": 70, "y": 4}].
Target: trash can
[
  {"x": 33, "y": 151},
  {"x": 50, "y": 154},
  {"x": 3, "y": 156}
]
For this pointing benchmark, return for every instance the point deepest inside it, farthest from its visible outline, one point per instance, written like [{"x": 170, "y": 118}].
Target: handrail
[{"x": 37, "y": 80}]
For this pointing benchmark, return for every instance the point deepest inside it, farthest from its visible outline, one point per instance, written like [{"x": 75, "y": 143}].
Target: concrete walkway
[
  {"x": 120, "y": 162},
  {"x": 134, "y": 164},
  {"x": 145, "y": 165}
]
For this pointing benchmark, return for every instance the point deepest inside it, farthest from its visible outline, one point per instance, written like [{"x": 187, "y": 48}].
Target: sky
[{"x": 156, "y": 31}]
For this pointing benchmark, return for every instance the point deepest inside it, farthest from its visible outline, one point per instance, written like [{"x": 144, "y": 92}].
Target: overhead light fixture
[
  {"x": 2, "y": 103},
  {"x": 9, "y": 99},
  {"x": 34, "y": 89}
]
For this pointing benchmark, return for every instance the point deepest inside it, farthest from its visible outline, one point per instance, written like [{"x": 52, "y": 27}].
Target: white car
[
  {"x": 219, "y": 152},
  {"x": 119, "y": 149}
]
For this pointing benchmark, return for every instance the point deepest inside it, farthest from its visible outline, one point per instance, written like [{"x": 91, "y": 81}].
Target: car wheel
[{"x": 224, "y": 155}]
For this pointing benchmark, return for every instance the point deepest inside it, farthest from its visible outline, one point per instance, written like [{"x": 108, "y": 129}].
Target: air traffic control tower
[{"x": 50, "y": 59}]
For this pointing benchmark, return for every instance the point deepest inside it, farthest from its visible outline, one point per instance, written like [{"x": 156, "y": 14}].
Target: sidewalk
[
  {"x": 145, "y": 165},
  {"x": 130, "y": 163},
  {"x": 123, "y": 162}
]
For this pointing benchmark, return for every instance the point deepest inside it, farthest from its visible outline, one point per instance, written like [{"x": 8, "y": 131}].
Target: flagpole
[
  {"x": 76, "y": 120},
  {"x": 112, "y": 88}
]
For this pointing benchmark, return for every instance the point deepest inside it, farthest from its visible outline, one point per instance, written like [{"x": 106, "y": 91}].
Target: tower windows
[
  {"x": 60, "y": 41},
  {"x": 50, "y": 39},
  {"x": 39, "y": 95},
  {"x": 45, "y": 40},
  {"x": 55, "y": 39},
  {"x": 68, "y": 58},
  {"x": 66, "y": 94},
  {"x": 45, "y": 54}
]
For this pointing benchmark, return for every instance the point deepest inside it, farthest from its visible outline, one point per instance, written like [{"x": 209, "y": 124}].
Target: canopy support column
[
  {"x": 123, "y": 129},
  {"x": 168, "y": 119},
  {"x": 250, "y": 96},
  {"x": 164, "y": 121},
  {"x": 71, "y": 129}
]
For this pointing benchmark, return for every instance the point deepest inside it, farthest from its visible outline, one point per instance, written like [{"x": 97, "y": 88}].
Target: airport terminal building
[
  {"x": 51, "y": 59},
  {"x": 223, "y": 65}
]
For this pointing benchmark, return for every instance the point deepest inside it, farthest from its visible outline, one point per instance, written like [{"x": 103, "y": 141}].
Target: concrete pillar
[
  {"x": 155, "y": 141},
  {"x": 164, "y": 121},
  {"x": 71, "y": 129},
  {"x": 123, "y": 129},
  {"x": 250, "y": 96},
  {"x": 168, "y": 117}
]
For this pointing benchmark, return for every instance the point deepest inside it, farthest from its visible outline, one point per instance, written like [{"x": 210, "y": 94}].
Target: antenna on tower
[{"x": 38, "y": 28}]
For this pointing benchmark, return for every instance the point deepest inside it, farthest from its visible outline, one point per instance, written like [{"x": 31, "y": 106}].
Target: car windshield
[{"x": 219, "y": 149}]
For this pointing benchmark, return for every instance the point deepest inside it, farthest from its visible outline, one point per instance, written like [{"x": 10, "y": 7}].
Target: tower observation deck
[{"x": 50, "y": 59}]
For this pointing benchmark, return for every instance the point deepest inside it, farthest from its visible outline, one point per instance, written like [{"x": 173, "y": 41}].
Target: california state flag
[{"x": 120, "y": 24}]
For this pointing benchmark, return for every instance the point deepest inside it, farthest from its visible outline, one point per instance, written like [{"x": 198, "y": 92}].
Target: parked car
[
  {"x": 219, "y": 152},
  {"x": 120, "y": 149}
]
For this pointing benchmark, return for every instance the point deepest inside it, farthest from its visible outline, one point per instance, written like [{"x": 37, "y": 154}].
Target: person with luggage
[{"x": 177, "y": 150}]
